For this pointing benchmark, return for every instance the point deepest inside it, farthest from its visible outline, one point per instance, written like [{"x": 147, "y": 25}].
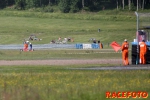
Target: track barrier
[{"x": 87, "y": 46}]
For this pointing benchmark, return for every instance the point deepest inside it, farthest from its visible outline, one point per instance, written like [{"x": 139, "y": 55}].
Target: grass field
[
  {"x": 17, "y": 26},
  {"x": 58, "y": 82},
  {"x": 59, "y": 54},
  {"x": 55, "y": 82}
]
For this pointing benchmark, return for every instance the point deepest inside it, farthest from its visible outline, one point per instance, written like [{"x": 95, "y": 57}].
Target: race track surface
[
  {"x": 38, "y": 46},
  {"x": 130, "y": 67}
]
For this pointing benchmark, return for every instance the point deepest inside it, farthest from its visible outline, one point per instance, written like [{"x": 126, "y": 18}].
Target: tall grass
[
  {"x": 53, "y": 83},
  {"x": 126, "y": 16}
]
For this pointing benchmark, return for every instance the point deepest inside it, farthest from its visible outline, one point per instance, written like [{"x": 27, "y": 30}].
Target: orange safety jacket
[
  {"x": 143, "y": 50},
  {"x": 143, "y": 47},
  {"x": 125, "y": 46},
  {"x": 124, "y": 49}
]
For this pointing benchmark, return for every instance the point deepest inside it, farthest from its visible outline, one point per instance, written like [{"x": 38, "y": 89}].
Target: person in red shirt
[
  {"x": 124, "y": 48},
  {"x": 143, "y": 51}
]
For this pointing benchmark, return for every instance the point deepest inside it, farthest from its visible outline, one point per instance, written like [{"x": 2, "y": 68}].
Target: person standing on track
[
  {"x": 124, "y": 48},
  {"x": 30, "y": 49},
  {"x": 25, "y": 46},
  {"x": 143, "y": 51}
]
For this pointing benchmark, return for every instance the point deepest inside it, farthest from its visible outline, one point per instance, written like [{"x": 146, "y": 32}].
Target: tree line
[{"x": 77, "y": 5}]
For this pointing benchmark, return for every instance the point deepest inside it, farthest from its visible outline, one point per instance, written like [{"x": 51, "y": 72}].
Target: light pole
[{"x": 137, "y": 59}]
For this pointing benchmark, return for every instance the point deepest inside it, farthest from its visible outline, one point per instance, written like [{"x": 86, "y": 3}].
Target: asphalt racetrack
[
  {"x": 138, "y": 67},
  {"x": 39, "y": 46}
]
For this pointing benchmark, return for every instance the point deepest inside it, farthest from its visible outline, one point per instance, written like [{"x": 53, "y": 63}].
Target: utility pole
[{"x": 137, "y": 39}]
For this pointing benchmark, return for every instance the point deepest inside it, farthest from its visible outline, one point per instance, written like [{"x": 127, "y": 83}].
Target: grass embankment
[
  {"x": 53, "y": 83},
  {"x": 19, "y": 25}
]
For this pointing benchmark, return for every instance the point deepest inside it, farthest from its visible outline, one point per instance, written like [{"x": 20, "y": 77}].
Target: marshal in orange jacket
[
  {"x": 143, "y": 51},
  {"x": 124, "y": 48}
]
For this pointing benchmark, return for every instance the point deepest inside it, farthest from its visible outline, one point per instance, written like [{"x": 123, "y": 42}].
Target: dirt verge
[{"x": 61, "y": 62}]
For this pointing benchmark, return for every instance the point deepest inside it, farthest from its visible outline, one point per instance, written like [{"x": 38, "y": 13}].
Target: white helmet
[{"x": 125, "y": 39}]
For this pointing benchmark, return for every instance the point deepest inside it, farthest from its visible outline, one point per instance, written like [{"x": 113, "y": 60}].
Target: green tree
[
  {"x": 29, "y": 4},
  {"x": 20, "y": 4},
  {"x": 74, "y": 6},
  {"x": 64, "y": 6}
]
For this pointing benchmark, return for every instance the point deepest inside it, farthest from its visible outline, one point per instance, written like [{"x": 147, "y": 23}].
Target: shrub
[
  {"x": 86, "y": 9},
  {"x": 48, "y": 9},
  {"x": 64, "y": 6}
]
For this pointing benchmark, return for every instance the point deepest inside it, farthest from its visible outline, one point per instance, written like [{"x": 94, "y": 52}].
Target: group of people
[
  {"x": 33, "y": 37},
  {"x": 62, "y": 41},
  {"x": 69, "y": 39},
  {"x": 142, "y": 52},
  {"x": 26, "y": 47}
]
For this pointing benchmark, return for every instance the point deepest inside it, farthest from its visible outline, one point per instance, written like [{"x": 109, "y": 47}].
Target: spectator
[
  {"x": 94, "y": 41},
  {"x": 30, "y": 49},
  {"x": 59, "y": 39},
  {"x": 100, "y": 44},
  {"x": 65, "y": 39}
]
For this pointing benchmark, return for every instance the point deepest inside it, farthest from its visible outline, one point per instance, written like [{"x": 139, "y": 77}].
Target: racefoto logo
[{"x": 123, "y": 94}]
